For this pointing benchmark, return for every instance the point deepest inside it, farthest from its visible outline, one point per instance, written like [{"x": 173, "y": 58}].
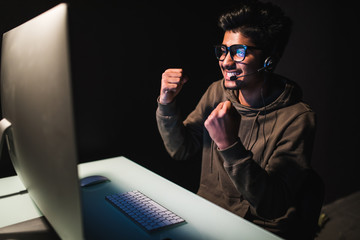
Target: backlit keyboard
[{"x": 144, "y": 211}]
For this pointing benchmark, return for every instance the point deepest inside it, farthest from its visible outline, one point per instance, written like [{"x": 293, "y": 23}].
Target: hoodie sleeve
[
  {"x": 271, "y": 191},
  {"x": 183, "y": 139},
  {"x": 179, "y": 141}
]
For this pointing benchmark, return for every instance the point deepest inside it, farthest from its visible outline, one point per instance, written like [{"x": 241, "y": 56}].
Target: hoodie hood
[{"x": 291, "y": 94}]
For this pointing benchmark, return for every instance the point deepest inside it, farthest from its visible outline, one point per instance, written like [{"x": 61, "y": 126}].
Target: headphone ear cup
[{"x": 269, "y": 64}]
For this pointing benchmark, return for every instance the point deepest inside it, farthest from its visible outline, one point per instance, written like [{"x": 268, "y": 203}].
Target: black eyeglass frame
[{"x": 232, "y": 52}]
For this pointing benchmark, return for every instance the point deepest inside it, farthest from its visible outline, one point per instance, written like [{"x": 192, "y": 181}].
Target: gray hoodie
[{"x": 258, "y": 177}]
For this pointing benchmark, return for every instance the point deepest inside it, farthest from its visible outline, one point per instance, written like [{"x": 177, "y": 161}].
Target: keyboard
[{"x": 144, "y": 211}]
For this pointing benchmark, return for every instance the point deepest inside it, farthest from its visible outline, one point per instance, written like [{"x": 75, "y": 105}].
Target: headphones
[
  {"x": 269, "y": 64},
  {"x": 272, "y": 59}
]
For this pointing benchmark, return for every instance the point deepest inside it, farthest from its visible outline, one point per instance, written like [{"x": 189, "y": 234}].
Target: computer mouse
[{"x": 92, "y": 180}]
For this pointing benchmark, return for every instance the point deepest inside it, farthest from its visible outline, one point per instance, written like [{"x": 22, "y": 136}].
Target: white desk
[
  {"x": 204, "y": 220},
  {"x": 16, "y": 208}
]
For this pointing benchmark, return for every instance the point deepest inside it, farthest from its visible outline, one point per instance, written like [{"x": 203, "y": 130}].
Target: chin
[{"x": 233, "y": 85}]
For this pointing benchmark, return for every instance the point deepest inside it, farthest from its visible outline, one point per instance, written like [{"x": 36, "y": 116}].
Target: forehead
[{"x": 231, "y": 38}]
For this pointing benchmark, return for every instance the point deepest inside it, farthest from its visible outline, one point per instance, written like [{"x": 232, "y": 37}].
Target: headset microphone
[
  {"x": 268, "y": 66},
  {"x": 233, "y": 78}
]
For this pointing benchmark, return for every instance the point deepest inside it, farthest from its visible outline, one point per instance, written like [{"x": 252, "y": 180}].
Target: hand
[
  {"x": 223, "y": 125},
  {"x": 171, "y": 83}
]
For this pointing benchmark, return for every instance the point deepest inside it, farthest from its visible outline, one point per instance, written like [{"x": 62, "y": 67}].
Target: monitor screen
[{"x": 36, "y": 98}]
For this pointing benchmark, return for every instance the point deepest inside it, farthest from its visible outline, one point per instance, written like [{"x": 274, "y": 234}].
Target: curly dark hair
[{"x": 264, "y": 23}]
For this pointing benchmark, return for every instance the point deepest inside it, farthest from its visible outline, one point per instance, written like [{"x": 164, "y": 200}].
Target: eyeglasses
[{"x": 237, "y": 52}]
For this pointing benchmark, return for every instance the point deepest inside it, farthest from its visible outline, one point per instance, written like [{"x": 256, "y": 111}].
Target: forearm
[
  {"x": 267, "y": 193},
  {"x": 179, "y": 143}
]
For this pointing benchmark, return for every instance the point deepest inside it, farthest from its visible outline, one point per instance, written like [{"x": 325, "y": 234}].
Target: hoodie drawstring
[{"x": 251, "y": 132}]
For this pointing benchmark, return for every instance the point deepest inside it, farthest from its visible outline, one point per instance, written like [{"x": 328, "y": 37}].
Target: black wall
[{"x": 120, "y": 51}]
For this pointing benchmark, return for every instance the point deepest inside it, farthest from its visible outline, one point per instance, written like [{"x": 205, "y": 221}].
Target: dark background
[{"x": 119, "y": 52}]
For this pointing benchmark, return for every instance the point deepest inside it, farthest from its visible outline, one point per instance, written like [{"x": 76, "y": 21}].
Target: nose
[{"x": 228, "y": 62}]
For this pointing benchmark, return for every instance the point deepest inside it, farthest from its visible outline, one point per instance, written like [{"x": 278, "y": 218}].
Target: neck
[
  {"x": 263, "y": 93},
  {"x": 250, "y": 99},
  {"x": 254, "y": 96}
]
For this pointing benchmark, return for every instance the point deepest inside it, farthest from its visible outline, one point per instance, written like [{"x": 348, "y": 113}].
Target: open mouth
[{"x": 232, "y": 75}]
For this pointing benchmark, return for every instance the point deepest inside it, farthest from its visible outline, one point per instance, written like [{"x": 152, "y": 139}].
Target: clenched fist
[
  {"x": 223, "y": 125},
  {"x": 171, "y": 83}
]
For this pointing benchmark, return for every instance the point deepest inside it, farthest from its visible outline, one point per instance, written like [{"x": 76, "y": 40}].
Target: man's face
[{"x": 252, "y": 62}]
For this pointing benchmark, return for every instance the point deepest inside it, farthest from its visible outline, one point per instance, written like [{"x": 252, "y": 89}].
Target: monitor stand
[{"x": 4, "y": 126}]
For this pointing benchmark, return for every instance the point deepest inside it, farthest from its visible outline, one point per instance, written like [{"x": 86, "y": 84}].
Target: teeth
[{"x": 230, "y": 74}]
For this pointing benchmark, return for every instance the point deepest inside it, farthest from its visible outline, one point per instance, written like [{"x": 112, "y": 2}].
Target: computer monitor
[{"x": 37, "y": 105}]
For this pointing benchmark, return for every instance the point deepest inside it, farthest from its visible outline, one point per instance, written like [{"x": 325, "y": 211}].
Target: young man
[{"x": 255, "y": 133}]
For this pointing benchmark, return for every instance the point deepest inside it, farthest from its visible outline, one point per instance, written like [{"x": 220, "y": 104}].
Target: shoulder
[
  {"x": 299, "y": 115},
  {"x": 209, "y": 100},
  {"x": 215, "y": 93},
  {"x": 216, "y": 86}
]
